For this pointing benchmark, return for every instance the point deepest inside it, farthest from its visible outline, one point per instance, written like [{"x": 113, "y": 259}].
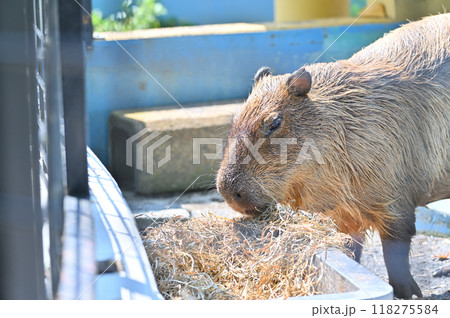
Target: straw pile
[{"x": 220, "y": 258}]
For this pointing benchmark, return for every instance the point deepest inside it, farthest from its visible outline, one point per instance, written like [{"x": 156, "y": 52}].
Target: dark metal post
[
  {"x": 56, "y": 177},
  {"x": 72, "y": 59},
  {"x": 87, "y": 24},
  {"x": 21, "y": 256}
]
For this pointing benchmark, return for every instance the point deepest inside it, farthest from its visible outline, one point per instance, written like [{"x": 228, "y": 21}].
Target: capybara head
[{"x": 274, "y": 145}]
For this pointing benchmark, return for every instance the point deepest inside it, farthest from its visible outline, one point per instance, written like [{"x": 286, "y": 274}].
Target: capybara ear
[
  {"x": 299, "y": 83},
  {"x": 262, "y": 72}
]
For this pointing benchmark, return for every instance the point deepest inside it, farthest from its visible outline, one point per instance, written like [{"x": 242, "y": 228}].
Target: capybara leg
[
  {"x": 396, "y": 258},
  {"x": 356, "y": 245}
]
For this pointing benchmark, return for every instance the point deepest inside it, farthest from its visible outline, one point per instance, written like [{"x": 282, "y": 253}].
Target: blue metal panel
[{"x": 203, "y": 68}]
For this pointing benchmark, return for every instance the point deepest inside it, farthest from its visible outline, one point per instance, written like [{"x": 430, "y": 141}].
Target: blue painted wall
[{"x": 202, "y": 68}]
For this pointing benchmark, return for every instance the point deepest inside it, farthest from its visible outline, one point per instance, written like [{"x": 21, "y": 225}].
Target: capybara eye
[
  {"x": 272, "y": 123},
  {"x": 276, "y": 123}
]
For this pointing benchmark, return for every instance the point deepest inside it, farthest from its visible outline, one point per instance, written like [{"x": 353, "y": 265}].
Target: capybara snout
[
  {"x": 243, "y": 199},
  {"x": 364, "y": 140}
]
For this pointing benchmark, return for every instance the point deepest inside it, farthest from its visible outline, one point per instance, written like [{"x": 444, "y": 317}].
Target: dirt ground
[{"x": 423, "y": 262}]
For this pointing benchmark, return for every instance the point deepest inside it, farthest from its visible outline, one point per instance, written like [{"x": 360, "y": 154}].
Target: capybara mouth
[
  {"x": 244, "y": 202},
  {"x": 247, "y": 209},
  {"x": 253, "y": 211}
]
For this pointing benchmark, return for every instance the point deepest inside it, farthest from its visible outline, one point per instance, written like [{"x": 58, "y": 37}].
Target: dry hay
[{"x": 220, "y": 258}]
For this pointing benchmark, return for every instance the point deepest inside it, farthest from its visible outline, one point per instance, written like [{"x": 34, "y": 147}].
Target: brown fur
[{"x": 381, "y": 120}]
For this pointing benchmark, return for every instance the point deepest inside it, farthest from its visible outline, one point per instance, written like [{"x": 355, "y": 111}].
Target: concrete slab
[
  {"x": 217, "y": 208},
  {"x": 442, "y": 206},
  {"x": 144, "y": 220},
  {"x": 434, "y": 219},
  {"x": 192, "y": 204},
  {"x": 405, "y": 10},
  {"x": 155, "y": 150}
]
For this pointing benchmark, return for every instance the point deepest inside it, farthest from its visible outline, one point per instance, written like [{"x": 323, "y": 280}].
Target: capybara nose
[
  {"x": 240, "y": 201},
  {"x": 242, "y": 198}
]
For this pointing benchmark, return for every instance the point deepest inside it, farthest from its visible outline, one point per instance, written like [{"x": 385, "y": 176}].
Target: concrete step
[
  {"x": 406, "y": 10},
  {"x": 170, "y": 149}
]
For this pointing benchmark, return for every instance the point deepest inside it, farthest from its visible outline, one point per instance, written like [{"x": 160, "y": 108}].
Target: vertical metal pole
[
  {"x": 87, "y": 24},
  {"x": 54, "y": 143},
  {"x": 72, "y": 59},
  {"x": 21, "y": 256}
]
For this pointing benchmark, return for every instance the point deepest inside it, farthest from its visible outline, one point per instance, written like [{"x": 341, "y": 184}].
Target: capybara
[{"x": 364, "y": 140}]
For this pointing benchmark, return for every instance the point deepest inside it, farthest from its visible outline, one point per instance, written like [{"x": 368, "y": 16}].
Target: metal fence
[{"x": 42, "y": 139}]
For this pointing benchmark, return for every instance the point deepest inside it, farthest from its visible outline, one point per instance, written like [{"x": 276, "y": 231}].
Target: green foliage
[
  {"x": 145, "y": 15},
  {"x": 356, "y": 6}
]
